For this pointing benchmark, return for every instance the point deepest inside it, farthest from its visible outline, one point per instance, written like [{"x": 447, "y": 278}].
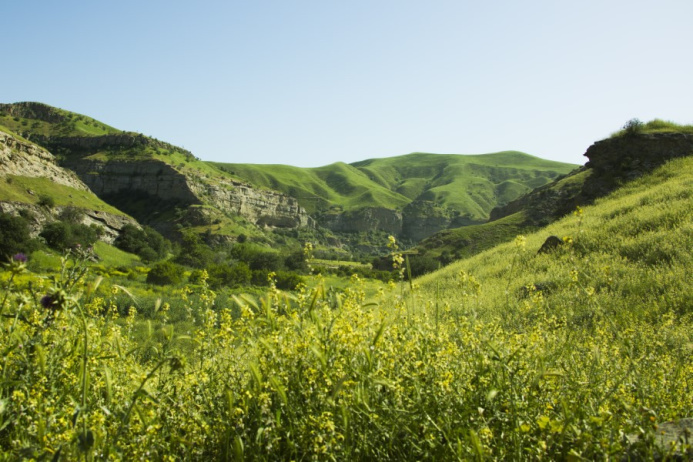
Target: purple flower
[
  {"x": 19, "y": 257},
  {"x": 47, "y": 301}
]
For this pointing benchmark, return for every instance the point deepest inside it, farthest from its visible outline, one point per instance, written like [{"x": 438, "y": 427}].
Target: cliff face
[
  {"x": 18, "y": 157},
  {"x": 422, "y": 219},
  {"x": 364, "y": 219},
  {"x": 21, "y": 158},
  {"x": 162, "y": 181},
  {"x": 264, "y": 208},
  {"x": 611, "y": 162},
  {"x": 623, "y": 158},
  {"x": 154, "y": 177},
  {"x": 417, "y": 221}
]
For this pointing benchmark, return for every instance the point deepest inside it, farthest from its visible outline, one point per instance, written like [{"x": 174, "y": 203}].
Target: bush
[
  {"x": 288, "y": 280},
  {"x": 633, "y": 127},
  {"x": 221, "y": 275},
  {"x": 146, "y": 243},
  {"x": 61, "y": 235},
  {"x": 194, "y": 252},
  {"x": 46, "y": 201},
  {"x": 14, "y": 236},
  {"x": 165, "y": 273},
  {"x": 422, "y": 264},
  {"x": 72, "y": 215}
]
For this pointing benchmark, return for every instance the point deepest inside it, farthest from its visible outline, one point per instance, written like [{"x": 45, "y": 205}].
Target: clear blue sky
[{"x": 313, "y": 82}]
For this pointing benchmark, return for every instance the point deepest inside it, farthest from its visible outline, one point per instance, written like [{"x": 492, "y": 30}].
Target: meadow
[{"x": 578, "y": 353}]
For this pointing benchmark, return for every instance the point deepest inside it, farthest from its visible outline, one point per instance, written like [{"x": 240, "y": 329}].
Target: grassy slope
[
  {"x": 469, "y": 240},
  {"x": 472, "y": 184},
  {"x": 72, "y": 124},
  {"x": 17, "y": 188},
  {"x": 632, "y": 249}
]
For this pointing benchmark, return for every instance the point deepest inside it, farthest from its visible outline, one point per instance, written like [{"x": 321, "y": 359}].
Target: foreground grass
[{"x": 576, "y": 354}]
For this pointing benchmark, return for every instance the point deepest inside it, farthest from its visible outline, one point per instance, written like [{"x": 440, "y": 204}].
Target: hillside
[
  {"x": 159, "y": 184},
  {"x": 411, "y": 196},
  {"x": 627, "y": 155},
  {"x": 168, "y": 188}
]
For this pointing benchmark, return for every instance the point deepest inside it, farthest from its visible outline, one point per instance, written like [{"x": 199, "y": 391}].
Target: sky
[{"x": 312, "y": 82}]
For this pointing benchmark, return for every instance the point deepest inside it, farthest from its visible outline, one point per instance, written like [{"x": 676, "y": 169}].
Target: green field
[{"x": 582, "y": 353}]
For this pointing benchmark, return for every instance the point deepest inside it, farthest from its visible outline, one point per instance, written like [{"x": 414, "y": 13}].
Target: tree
[
  {"x": 61, "y": 235},
  {"x": 147, "y": 243}
]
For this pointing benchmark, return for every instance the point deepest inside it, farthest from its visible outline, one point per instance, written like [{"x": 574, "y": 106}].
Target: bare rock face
[
  {"x": 21, "y": 158},
  {"x": 160, "y": 180},
  {"x": 365, "y": 219},
  {"x": 623, "y": 158},
  {"x": 156, "y": 178},
  {"x": 263, "y": 207}
]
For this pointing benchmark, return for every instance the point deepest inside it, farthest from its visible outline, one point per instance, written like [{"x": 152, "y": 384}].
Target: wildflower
[
  {"x": 47, "y": 301},
  {"x": 55, "y": 300},
  {"x": 19, "y": 257},
  {"x": 17, "y": 263}
]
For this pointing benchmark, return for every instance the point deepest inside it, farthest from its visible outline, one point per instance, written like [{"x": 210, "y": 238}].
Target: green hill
[
  {"x": 411, "y": 196},
  {"x": 469, "y": 184},
  {"x": 628, "y": 154}
]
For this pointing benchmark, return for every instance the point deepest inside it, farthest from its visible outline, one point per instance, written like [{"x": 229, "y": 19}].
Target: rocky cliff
[
  {"x": 612, "y": 161},
  {"x": 364, "y": 219},
  {"x": 22, "y": 158},
  {"x": 160, "y": 180},
  {"x": 622, "y": 158}
]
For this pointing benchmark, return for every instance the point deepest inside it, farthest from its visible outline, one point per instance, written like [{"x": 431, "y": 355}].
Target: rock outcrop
[
  {"x": 623, "y": 158},
  {"x": 364, "y": 219},
  {"x": 422, "y": 219},
  {"x": 612, "y": 161},
  {"x": 19, "y": 157},
  {"x": 22, "y": 158},
  {"x": 265, "y": 208},
  {"x": 160, "y": 180}
]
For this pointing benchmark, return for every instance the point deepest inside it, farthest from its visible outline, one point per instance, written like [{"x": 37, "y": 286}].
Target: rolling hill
[{"x": 168, "y": 188}]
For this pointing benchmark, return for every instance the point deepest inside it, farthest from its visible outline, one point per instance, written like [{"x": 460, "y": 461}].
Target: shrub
[
  {"x": 288, "y": 280},
  {"x": 46, "y": 201},
  {"x": 14, "y": 236},
  {"x": 633, "y": 127},
  {"x": 194, "y": 252},
  {"x": 165, "y": 273},
  {"x": 72, "y": 215},
  {"x": 61, "y": 235},
  {"x": 147, "y": 243},
  {"x": 221, "y": 275}
]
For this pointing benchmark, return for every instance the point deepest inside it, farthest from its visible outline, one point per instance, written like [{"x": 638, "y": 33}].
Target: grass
[
  {"x": 578, "y": 354},
  {"x": 29, "y": 190},
  {"x": 51, "y": 121},
  {"x": 469, "y": 240},
  {"x": 658, "y": 126}
]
